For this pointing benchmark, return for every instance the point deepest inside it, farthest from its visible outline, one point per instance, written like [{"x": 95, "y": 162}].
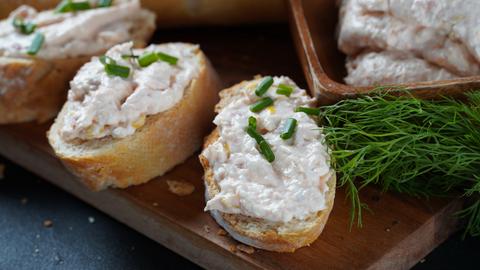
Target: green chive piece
[
  {"x": 261, "y": 104},
  {"x": 172, "y": 60},
  {"x": 266, "y": 151},
  {"x": 117, "y": 70},
  {"x": 254, "y": 134},
  {"x": 289, "y": 128},
  {"x": 36, "y": 44},
  {"x": 263, "y": 86},
  {"x": 104, "y": 3},
  {"x": 284, "y": 89},
  {"x": 70, "y": 6},
  {"x": 63, "y": 6},
  {"x": 29, "y": 28},
  {"x": 24, "y": 28},
  {"x": 151, "y": 57},
  {"x": 107, "y": 60},
  {"x": 111, "y": 67},
  {"x": 147, "y": 59},
  {"x": 77, "y": 6},
  {"x": 309, "y": 111},
  {"x": 252, "y": 122}
]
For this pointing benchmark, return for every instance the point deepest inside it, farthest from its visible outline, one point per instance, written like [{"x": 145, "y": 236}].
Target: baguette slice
[
  {"x": 34, "y": 89},
  {"x": 258, "y": 232},
  {"x": 165, "y": 140}
]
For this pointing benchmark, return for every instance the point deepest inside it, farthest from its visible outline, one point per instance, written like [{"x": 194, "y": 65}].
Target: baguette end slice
[
  {"x": 257, "y": 232},
  {"x": 34, "y": 89},
  {"x": 166, "y": 140}
]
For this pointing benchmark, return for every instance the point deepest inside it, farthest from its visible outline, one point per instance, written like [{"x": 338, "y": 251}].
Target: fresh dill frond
[{"x": 401, "y": 143}]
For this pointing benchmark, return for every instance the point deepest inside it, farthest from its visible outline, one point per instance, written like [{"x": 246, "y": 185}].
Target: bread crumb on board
[
  {"x": 47, "y": 223},
  {"x": 2, "y": 171},
  {"x": 206, "y": 228},
  {"x": 221, "y": 232},
  {"x": 24, "y": 200},
  {"x": 245, "y": 249},
  {"x": 232, "y": 248},
  {"x": 180, "y": 188}
]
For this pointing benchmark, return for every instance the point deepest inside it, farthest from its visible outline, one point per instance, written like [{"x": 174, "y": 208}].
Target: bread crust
[
  {"x": 279, "y": 237},
  {"x": 167, "y": 139},
  {"x": 34, "y": 89},
  {"x": 187, "y": 12}
]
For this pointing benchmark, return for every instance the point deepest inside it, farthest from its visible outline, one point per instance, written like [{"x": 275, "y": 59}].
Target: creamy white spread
[
  {"x": 101, "y": 105},
  {"x": 74, "y": 34},
  {"x": 442, "y": 33},
  {"x": 294, "y": 185},
  {"x": 390, "y": 67}
]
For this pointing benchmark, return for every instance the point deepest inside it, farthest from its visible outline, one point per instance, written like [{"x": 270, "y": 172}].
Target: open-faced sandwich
[
  {"x": 40, "y": 52},
  {"x": 267, "y": 169},
  {"x": 133, "y": 114}
]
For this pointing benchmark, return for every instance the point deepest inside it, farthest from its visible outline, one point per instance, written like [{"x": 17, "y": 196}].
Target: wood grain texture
[
  {"x": 313, "y": 25},
  {"x": 397, "y": 233}
]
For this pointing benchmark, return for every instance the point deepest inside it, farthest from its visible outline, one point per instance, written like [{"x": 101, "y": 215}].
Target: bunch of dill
[{"x": 408, "y": 145}]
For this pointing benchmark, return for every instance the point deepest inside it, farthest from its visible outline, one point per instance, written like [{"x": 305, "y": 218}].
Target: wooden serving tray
[
  {"x": 313, "y": 25},
  {"x": 397, "y": 233}
]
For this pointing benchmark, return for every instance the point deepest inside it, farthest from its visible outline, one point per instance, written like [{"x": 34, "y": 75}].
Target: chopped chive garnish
[
  {"x": 261, "y": 104},
  {"x": 24, "y": 28},
  {"x": 147, "y": 59},
  {"x": 104, "y": 3},
  {"x": 107, "y": 60},
  {"x": 309, "y": 111},
  {"x": 78, "y": 6},
  {"x": 70, "y": 6},
  {"x": 36, "y": 45},
  {"x": 263, "y": 86},
  {"x": 111, "y": 67},
  {"x": 265, "y": 149},
  {"x": 172, "y": 60},
  {"x": 252, "y": 122},
  {"x": 63, "y": 6},
  {"x": 117, "y": 70},
  {"x": 254, "y": 134},
  {"x": 29, "y": 28},
  {"x": 284, "y": 89},
  {"x": 289, "y": 128}
]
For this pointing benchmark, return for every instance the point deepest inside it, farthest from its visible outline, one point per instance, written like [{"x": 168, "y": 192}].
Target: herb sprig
[{"x": 419, "y": 147}]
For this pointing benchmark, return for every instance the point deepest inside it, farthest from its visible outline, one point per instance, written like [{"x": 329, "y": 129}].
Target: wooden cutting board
[{"x": 397, "y": 232}]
